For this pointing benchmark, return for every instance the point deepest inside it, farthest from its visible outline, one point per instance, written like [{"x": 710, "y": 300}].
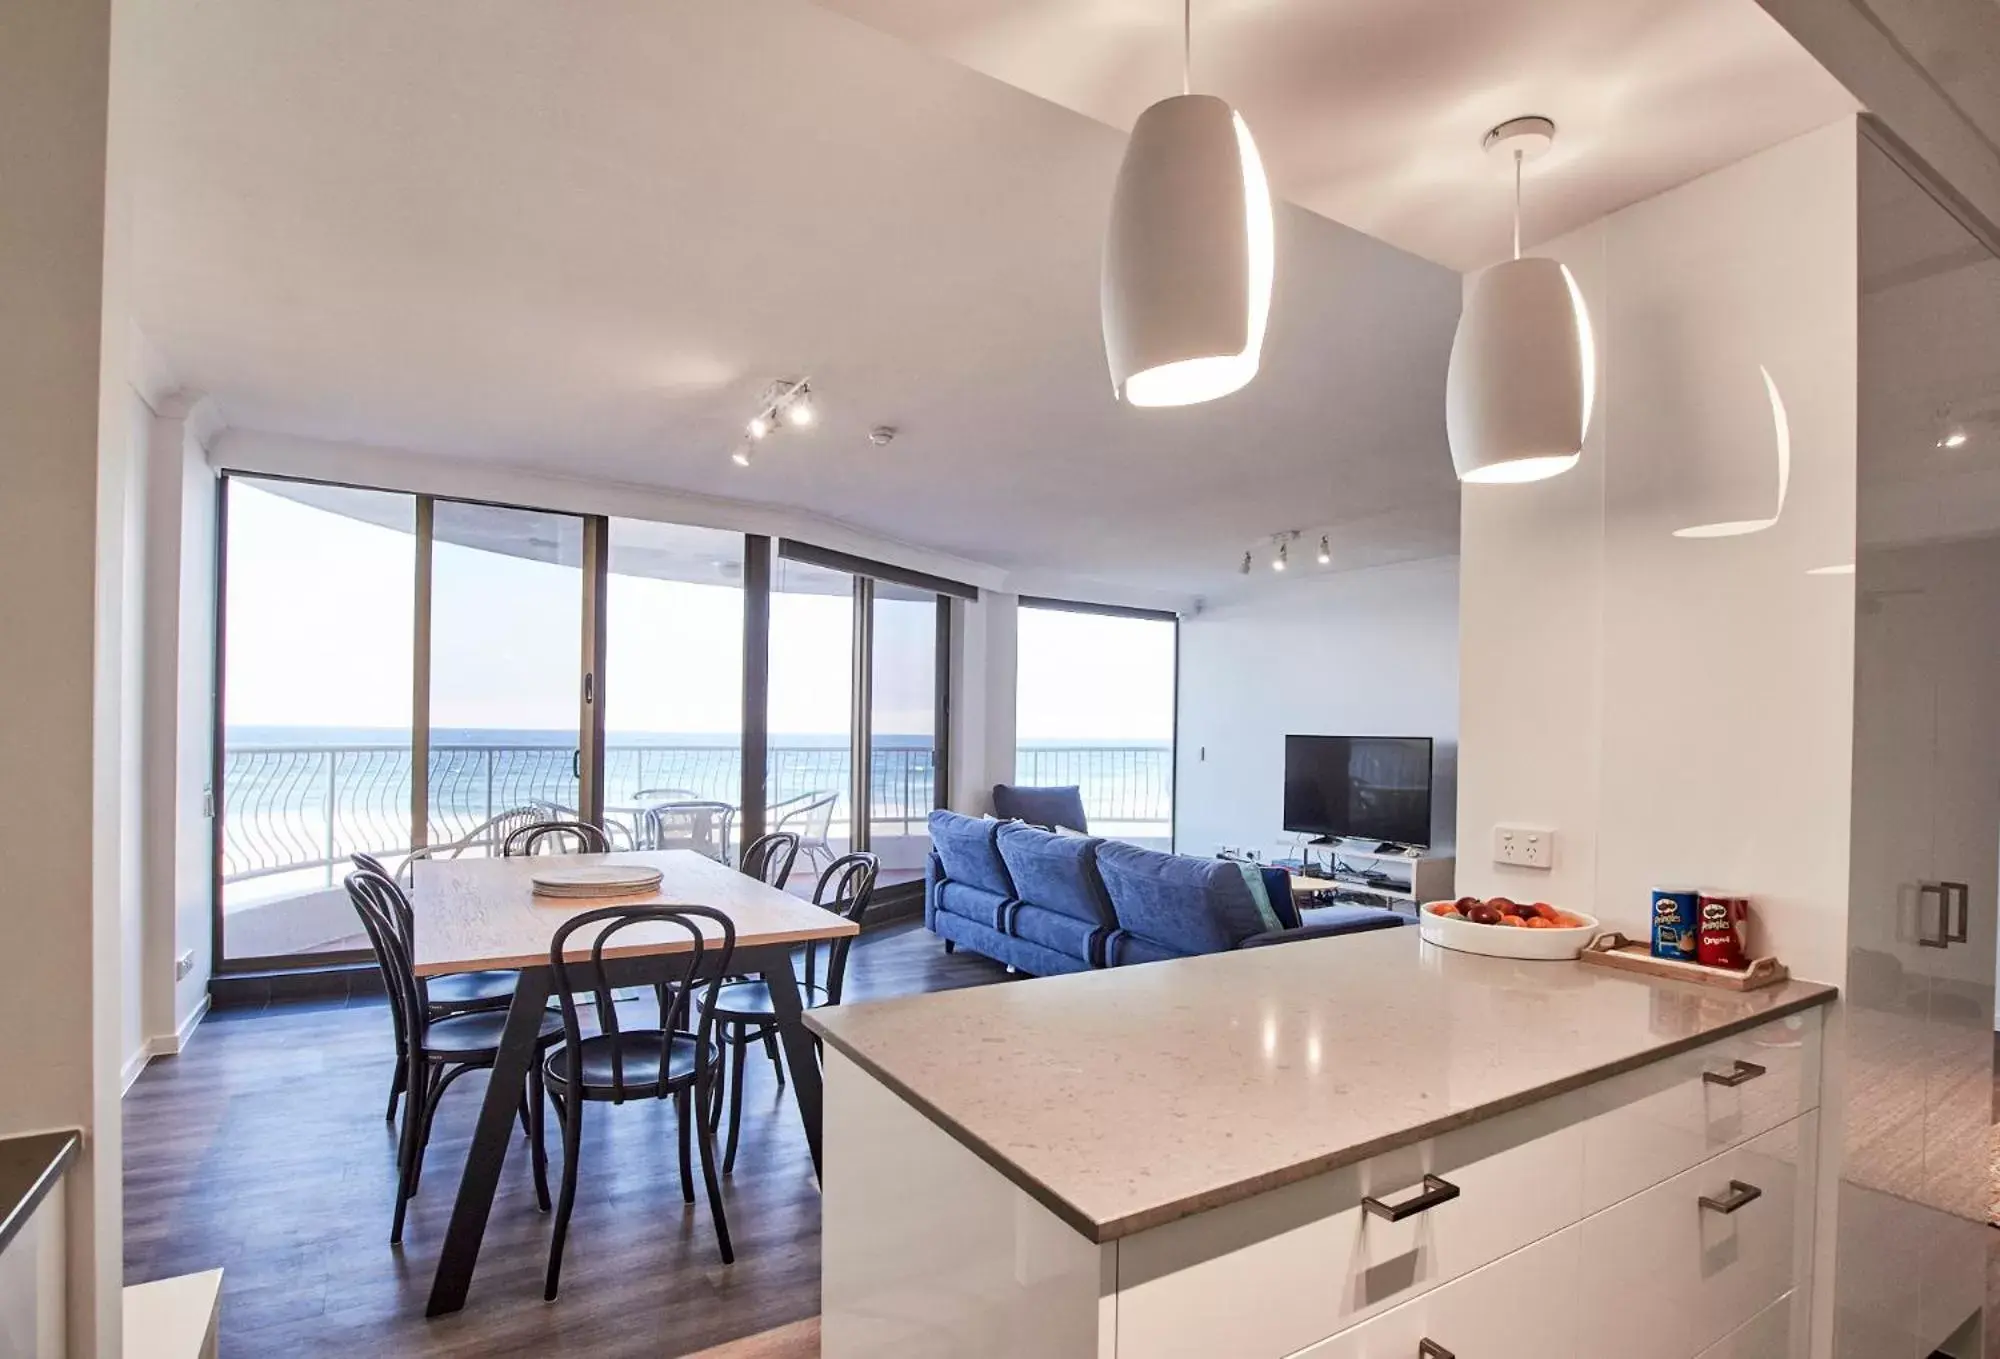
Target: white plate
[
  {"x": 606, "y": 880},
  {"x": 1501, "y": 941}
]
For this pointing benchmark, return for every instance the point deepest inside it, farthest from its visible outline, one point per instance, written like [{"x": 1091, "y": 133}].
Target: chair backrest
[
  {"x": 700, "y": 824},
  {"x": 769, "y": 858},
  {"x": 559, "y": 837},
  {"x": 809, "y": 815},
  {"x": 678, "y": 975},
  {"x": 845, "y": 889},
  {"x": 386, "y": 916},
  {"x": 1044, "y": 807}
]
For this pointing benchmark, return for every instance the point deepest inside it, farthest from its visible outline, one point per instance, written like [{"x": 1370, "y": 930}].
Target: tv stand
[{"x": 1399, "y": 877}]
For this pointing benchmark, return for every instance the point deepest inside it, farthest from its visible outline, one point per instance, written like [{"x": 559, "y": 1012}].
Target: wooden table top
[{"x": 483, "y": 913}]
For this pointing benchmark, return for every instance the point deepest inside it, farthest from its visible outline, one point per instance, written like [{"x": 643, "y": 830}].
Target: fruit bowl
[{"x": 1499, "y": 941}]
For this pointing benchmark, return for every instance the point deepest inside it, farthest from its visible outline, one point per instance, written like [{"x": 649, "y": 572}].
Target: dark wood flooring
[{"x": 262, "y": 1149}]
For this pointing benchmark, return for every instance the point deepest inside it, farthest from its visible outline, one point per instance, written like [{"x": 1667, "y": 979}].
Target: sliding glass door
[
  {"x": 903, "y": 710},
  {"x": 506, "y": 663},
  {"x": 809, "y": 777}
]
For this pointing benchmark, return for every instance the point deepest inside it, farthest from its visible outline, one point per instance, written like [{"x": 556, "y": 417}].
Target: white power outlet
[
  {"x": 183, "y": 965},
  {"x": 1524, "y": 846}
]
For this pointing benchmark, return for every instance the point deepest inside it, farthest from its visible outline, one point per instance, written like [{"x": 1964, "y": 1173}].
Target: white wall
[
  {"x": 1369, "y": 652},
  {"x": 1680, "y": 711},
  {"x": 59, "y": 839}
]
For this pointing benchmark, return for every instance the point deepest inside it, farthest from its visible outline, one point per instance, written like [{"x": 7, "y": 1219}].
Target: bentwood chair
[
  {"x": 743, "y": 1009},
  {"x": 616, "y": 1063},
  {"x": 436, "y": 1051},
  {"x": 455, "y": 993},
  {"x": 556, "y": 837},
  {"x": 769, "y": 858}
]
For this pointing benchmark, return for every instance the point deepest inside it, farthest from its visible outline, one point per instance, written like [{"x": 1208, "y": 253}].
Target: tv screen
[{"x": 1366, "y": 787}]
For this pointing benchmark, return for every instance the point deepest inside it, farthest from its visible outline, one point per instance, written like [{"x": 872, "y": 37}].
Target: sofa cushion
[
  {"x": 1058, "y": 931},
  {"x": 962, "y": 899},
  {"x": 968, "y": 850},
  {"x": 1278, "y": 887},
  {"x": 1186, "y": 904},
  {"x": 1056, "y": 872},
  {"x": 1123, "y": 948},
  {"x": 1041, "y": 806}
]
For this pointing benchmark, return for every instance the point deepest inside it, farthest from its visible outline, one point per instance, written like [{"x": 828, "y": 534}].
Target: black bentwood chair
[
  {"x": 769, "y": 858},
  {"x": 617, "y": 1064},
  {"x": 436, "y": 1051},
  {"x": 743, "y": 1009},
  {"x": 455, "y": 993},
  {"x": 559, "y": 837}
]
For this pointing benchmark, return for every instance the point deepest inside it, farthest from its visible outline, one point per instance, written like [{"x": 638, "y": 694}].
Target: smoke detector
[{"x": 881, "y": 435}]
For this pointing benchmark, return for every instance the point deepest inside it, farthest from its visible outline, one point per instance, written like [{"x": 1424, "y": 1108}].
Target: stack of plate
[{"x": 601, "y": 880}]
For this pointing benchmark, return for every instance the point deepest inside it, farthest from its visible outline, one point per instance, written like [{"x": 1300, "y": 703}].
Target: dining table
[{"x": 483, "y": 914}]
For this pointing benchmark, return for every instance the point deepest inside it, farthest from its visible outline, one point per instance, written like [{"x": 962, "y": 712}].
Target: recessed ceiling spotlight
[{"x": 1325, "y": 552}]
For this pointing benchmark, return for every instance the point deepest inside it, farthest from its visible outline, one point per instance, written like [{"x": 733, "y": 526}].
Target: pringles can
[
  {"x": 1721, "y": 940},
  {"x": 1676, "y": 924}
]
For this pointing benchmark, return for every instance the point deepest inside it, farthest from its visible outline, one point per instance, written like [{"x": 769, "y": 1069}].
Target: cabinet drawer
[
  {"x": 1777, "y": 1332},
  {"x": 1502, "y": 1311},
  {"x": 1313, "y": 1260},
  {"x": 1673, "y": 1276},
  {"x": 1663, "y": 1119}
]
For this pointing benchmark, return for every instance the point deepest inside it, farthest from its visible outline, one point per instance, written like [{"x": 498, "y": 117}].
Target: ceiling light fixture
[
  {"x": 785, "y": 401},
  {"x": 1519, "y": 390},
  {"x": 741, "y": 457},
  {"x": 758, "y": 427},
  {"x": 1956, "y": 439},
  {"x": 799, "y": 406},
  {"x": 1246, "y": 564},
  {"x": 1279, "y": 562},
  {"x": 1190, "y": 251},
  {"x": 1325, "y": 552}
]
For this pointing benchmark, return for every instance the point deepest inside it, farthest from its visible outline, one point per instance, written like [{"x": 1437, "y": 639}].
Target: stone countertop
[
  {"x": 29, "y": 1167},
  {"x": 1126, "y": 1098}
]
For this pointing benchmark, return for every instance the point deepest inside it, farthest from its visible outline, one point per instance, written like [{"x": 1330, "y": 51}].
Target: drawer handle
[
  {"x": 1430, "y": 1349},
  {"x": 1744, "y": 1071},
  {"x": 1435, "y": 1191},
  {"x": 1739, "y": 1195}
]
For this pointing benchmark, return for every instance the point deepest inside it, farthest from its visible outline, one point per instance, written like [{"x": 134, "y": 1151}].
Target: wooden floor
[{"x": 263, "y": 1150}]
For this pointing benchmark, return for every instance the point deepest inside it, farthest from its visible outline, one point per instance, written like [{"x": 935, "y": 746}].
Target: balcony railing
[{"x": 290, "y": 808}]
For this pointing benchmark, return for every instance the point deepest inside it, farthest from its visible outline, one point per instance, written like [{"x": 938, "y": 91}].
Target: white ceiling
[
  {"x": 582, "y": 239},
  {"x": 1370, "y": 112}
]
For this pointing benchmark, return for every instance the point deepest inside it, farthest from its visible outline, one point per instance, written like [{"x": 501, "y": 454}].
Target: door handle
[
  {"x": 1740, "y": 1195},
  {"x": 1943, "y": 939},
  {"x": 1743, "y": 1072},
  {"x": 1955, "y": 934},
  {"x": 576, "y": 764},
  {"x": 1430, "y": 1349},
  {"x": 1435, "y": 1191}
]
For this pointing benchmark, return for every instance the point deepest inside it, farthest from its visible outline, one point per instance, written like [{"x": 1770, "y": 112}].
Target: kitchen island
[{"x": 1352, "y": 1147}]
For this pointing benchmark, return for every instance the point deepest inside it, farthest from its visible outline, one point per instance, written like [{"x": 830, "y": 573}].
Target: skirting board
[{"x": 163, "y": 1045}]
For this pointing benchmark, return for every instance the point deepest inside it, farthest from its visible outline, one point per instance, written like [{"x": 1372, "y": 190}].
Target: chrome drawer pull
[
  {"x": 1739, "y": 1195},
  {"x": 1430, "y": 1349},
  {"x": 1744, "y": 1071},
  {"x": 1435, "y": 1191}
]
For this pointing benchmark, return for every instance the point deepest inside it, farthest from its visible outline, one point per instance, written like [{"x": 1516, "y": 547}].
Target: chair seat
[
  {"x": 750, "y": 1000},
  {"x": 641, "y": 1052},
  {"x": 463, "y": 1037},
  {"x": 461, "y": 989}
]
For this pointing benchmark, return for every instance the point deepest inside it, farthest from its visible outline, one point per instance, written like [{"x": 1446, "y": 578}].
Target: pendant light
[
  {"x": 1189, "y": 253},
  {"x": 1518, "y": 393}
]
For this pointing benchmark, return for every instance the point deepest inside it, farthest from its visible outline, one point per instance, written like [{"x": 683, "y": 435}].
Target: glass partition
[
  {"x": 810, "y": 773},
  {"x": 902, "y": 728},
  {"x": 1094, "y": 709}
]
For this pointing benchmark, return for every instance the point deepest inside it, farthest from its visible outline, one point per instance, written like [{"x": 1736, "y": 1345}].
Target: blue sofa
[{"x": 1045, "y": 903}]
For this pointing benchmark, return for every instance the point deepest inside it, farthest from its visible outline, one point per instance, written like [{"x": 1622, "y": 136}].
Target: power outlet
[
  {"x": 183, "y": 965},
  {"x": 1524, "y": 846}
]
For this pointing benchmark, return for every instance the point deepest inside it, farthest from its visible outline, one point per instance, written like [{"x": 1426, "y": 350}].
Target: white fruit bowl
[{"x": 1502, "y": 941}]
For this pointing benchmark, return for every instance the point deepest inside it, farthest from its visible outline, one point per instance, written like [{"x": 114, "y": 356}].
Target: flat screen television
[{"x": 1360, "y": 787}]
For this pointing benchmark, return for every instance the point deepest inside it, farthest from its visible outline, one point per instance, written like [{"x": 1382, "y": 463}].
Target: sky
[{"x": 319, "y": 633}]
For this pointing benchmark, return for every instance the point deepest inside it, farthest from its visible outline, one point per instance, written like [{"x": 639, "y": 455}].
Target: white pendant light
[
  {"x": 1189, "y": 254},
  {"x": 1519, "y": 391}
]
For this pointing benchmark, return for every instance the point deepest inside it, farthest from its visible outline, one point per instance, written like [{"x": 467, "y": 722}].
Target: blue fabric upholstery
[
  {"x": 1040, "y": 806},
  {"x": 1057, "y": 872},
  {"x": 1185, "y": 904},
  {"x": 969, "y": 850},
  {"x": 1045, "y": 903}
]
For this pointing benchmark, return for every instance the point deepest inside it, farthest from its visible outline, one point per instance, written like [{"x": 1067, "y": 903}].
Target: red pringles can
[{"x": 1722, "y": 931}]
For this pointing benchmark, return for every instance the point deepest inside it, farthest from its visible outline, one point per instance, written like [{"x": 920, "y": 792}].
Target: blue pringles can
[{"x": 1676, "y": 924}]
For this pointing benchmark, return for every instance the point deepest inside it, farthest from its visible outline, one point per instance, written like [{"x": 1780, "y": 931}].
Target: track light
[
  {"x": 1278, "y": 562},
  {"x": 1325, "y": 552},
  {"x": 1246, "y": 564},
  {"x": 1955, "y": 439},
  {"x": 799, "y": 407},
  {"x": 741, "y": 457},
  {"x": 758, "y": 427}
]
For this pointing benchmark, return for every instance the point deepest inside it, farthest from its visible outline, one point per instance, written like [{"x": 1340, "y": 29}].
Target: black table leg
[
  {"x": 801, "y": 1057},
  {"x": 494, "y": 1131}
]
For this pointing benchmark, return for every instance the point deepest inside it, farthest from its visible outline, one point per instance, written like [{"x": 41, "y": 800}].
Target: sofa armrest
[{"x": 1324, "y": 930}]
